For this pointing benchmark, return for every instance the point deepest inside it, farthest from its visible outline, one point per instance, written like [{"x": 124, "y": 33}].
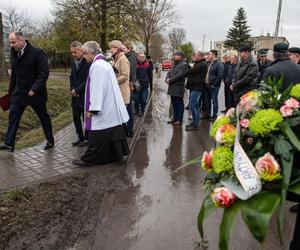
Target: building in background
[
  {"x": 265, "y": 42},
  {"x": 222, "y": 51},
  {"x": 259, "y": 42}
]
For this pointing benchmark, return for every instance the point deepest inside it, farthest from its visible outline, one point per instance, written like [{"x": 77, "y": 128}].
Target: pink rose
[
  {"x": 222, "y": 197},
  {"x": 226, "y": 135},
  {"x": 206, "y": 161},
  {"x": 292, "y": 103},
  {"x": 268, "y": 168},
  {"x": 286, "y": 111},
  {"x": 244, "y": 123}
]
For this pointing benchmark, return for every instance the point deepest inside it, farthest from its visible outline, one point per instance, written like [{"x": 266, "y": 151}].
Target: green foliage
[
  {"x": 16, "y": 195},
  {"x": 187, "y": 49},
  {"x": 240, "y": 32},
  {"x": 295, "y": 189},
  {"x": 257, "y": 212},
  {"x": 228, "y": 220},
  {"x": 206, "y": 209}
]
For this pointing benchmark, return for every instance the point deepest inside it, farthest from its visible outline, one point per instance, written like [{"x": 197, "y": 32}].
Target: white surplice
[{"x": 105, "y": 97}]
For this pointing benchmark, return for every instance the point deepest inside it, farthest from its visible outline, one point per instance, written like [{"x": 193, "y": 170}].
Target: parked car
[{"x": 166, "y": 64}]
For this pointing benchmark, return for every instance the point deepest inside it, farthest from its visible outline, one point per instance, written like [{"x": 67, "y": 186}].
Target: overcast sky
[{"x": 211, "y": 17}]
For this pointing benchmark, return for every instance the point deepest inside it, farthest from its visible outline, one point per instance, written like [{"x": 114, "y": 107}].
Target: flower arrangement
[{"x": 252, "y": 169}]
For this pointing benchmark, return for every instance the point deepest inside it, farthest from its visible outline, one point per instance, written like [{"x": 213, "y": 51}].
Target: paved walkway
[{"x": 35, "y": 164}]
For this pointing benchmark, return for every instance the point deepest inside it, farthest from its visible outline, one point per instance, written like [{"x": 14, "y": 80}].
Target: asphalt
[{"x": 156, "y": 209}]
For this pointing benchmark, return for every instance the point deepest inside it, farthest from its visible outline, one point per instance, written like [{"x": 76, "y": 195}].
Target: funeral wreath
[{"x": 252, "y": 169}]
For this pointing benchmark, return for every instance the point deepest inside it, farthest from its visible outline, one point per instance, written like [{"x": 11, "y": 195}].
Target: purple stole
[{"x": 87, "y": 120}]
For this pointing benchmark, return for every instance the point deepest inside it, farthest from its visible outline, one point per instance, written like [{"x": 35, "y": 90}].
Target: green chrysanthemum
[
  {"x": 265, "y": 121},
  {"x": 218, "y": 123},
  {"x": 295, "y": 91},
  {"x": 222, "y": 160}
]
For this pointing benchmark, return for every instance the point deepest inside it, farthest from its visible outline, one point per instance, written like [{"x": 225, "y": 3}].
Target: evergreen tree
[{"x": 239, "y": 33}]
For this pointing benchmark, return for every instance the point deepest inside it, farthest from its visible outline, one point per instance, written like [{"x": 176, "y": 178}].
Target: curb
[{"x": 140, "y": 124}]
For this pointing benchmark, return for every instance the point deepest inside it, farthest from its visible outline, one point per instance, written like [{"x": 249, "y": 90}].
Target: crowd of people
[
  {"x": 102, "y": 91},
  {"x": 239, "y": 75},
  {"x": 106, "y": 96}
]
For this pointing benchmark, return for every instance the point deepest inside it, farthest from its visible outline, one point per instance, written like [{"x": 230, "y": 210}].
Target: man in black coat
[
  {"x": 263, "y": 63},
  {"x": 283, "y": 66},
  {"x": 196, "y": 83},
  {"x": 229, "y": 101},
  {"x": 29, "y": 74},
  {"x": 78, "y": 77},
  {"x": 246, "y": 74}
]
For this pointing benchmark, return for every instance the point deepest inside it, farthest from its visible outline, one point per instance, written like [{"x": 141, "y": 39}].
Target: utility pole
[
  {"x": 278, "y": 18},
  {"x": 203, "y": 44}
]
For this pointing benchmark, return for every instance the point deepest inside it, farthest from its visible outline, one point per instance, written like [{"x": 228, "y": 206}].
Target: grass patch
[
  {"x": 59, "y": 108},
  {"x": 16, "y": 195},
  {"x": 60, "y": 70}
]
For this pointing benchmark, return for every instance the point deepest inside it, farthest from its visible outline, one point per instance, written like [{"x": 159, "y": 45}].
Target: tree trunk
[
  {"x": 104, "y": 25},
  {"x": 147, "y": 47}
]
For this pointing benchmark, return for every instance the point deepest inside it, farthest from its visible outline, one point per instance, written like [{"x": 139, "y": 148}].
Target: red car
[{"x": 166, "y": 64}]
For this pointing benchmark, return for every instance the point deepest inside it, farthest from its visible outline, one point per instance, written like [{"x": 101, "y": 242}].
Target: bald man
[{"x": 29, "y": 74}]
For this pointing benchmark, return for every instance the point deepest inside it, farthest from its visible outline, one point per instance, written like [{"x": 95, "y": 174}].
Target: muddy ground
[{"x": 54, "y": 214}]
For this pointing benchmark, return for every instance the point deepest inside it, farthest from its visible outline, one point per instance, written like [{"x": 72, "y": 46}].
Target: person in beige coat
[{"x": 121, "y": 66}]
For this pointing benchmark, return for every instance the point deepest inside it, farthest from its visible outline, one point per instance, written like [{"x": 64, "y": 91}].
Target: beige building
[
  {"x": 259, "y": 42},
  {"x": 265, "y": 42}
]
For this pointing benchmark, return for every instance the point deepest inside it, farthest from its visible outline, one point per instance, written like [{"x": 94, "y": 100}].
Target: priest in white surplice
[{"x": 105, "y": 111}]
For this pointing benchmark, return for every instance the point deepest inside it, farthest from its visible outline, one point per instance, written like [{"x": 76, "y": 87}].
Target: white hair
[{"x": 92, "y": 46}]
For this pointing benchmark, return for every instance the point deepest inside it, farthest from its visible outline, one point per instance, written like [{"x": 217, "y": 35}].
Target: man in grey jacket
[
  {"x": 176, "y": 80},
  {"x": 246, "y": 74}
]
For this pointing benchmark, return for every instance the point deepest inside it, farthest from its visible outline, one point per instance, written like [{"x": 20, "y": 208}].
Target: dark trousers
[
  {"x": 151, "y": 84},
  {"x": 130, "y": 123},
  {"x": 140, "y": 99},
  {"x": 229, "y": 102},
  {"x": 78, "y": 118},
  {"x": 15, "y": 114},
  {"x": 178, "y": 107},
  {"x": 212, "y": 99}
]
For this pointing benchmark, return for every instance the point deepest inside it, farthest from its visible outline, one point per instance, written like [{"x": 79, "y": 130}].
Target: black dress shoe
[
  {"x": 76, "y": 143},
  {"x": 170, "y": 121},
  {"x": 49, "y": 145},
  {"x": 82, "y": 143},
  {"x": 5, "y": 147},
  {"x": 81, "y": 163}
]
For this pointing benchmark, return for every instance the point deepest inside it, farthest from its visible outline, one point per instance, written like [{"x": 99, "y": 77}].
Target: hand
[
  {"x": 231, "y": 87},
  {"x": 167, "y": 80},
  {"x": 31, "y": 93},
  {"x": 88, "y": 114},
  {"x": 73, "y": 93}
]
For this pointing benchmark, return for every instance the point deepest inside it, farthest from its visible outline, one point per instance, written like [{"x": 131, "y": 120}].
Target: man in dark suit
[
  {"x": 29, "y": 74},
  {"x": 78, "y": 77}
]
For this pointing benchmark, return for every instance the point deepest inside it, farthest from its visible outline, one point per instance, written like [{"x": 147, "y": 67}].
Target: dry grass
[{"x": 59, "y": 108}]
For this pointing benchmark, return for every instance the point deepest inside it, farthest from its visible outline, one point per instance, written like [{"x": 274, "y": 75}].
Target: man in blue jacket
[{"x": 213, "y": 82}]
